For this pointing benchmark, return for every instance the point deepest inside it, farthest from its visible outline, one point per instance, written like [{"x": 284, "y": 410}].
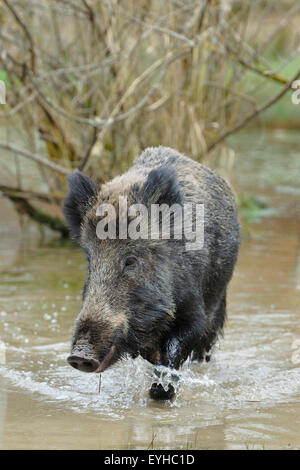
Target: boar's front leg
[
  {"x": 187, "y": 331},
  {"x": 158, "y": 391},
  {"x": 175, "y": 351}
]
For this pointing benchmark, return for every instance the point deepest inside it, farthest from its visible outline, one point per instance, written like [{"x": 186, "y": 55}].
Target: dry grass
[{"x": 91, "y": 83}]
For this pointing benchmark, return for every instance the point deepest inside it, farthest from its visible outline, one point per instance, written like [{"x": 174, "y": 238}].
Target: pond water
[{"x": 248, "y": 396}]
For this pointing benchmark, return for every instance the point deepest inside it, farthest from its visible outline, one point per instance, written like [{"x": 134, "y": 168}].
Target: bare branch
[
  {"x": 263, "y": 72},
  {"x": 255, "y": 113},
  {"x": 26, "y": 194},
  {"x": 25, "y": 29},
  {"x": 35, "y": 158}
]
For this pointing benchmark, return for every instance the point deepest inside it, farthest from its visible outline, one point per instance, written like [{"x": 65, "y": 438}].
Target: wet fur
[{"x": 174, "y": 305}]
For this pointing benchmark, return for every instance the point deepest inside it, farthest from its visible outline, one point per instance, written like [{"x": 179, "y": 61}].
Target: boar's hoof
[{"x": 157, "y": 392}]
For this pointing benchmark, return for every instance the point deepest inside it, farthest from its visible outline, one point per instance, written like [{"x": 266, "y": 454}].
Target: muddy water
[{"x": 248, "y": 396}]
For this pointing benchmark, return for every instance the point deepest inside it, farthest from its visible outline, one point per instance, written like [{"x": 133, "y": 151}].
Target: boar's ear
[
  {"x": 161, "y": 187},
  {"x": 81, "y": 190}
]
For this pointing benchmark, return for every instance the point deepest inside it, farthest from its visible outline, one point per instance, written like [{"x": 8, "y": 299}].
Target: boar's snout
[
  {"x": 83, "y": 356},
  {"x": 83, "y": 363}
]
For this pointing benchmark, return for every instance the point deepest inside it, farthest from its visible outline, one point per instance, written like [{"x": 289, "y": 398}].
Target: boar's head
[{"x": 128, "y": 297}]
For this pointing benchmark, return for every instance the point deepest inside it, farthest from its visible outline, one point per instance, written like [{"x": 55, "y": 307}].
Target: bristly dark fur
[
  {"x": 82, "y": 190},
  {"x": 168, "y": 303},
  {"x": 161, "y": 187}
]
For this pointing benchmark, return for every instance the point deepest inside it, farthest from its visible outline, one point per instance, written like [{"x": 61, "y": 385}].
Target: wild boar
[{"x": 145, "y": 296}]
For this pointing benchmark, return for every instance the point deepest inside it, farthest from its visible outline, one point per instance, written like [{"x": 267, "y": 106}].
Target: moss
[
  {"x": 23, "y": 206},
  {"x": 55, "y": 223}
]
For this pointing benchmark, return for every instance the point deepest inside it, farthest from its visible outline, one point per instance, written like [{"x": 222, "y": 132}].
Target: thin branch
[
  {"x": 75, "y": 8},
  {"x": 159, "y": 29},
  {"x": 36, "y": 158},
  {"x": 26, "y": 31},
  {"x": 255, "y": 113},
  {"x": 98, "y": 122},
  {"x": 19, "y": 106},
  {"x": 121, "y": 117},
  {"x": 263, "y": 72},
  {"x": 26, "y": 194},
  {"x": 200, "y": 20},
  {"x": 244, "y": 97},
  {"x": 284, "y": 21},
  {"x": 89, "y": 150}
]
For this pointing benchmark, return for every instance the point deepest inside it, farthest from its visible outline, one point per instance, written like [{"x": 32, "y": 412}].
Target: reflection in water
[
  {"x": 247, "y": 397},
  {"x": 3, "y": 405}
]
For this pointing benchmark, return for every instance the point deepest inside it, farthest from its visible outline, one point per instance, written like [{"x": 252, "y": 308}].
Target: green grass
[
  {"x": 4, "y": 78},
  {"x": 253, "y": 208}
]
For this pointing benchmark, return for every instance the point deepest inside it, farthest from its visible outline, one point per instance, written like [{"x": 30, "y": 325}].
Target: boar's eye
[{"x": 130, "y": 262}]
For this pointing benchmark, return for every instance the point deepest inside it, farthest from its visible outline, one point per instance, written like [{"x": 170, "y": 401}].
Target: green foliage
[
  {"x": 252, "y": 208},
  {"x": 4, "y": 78}
]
